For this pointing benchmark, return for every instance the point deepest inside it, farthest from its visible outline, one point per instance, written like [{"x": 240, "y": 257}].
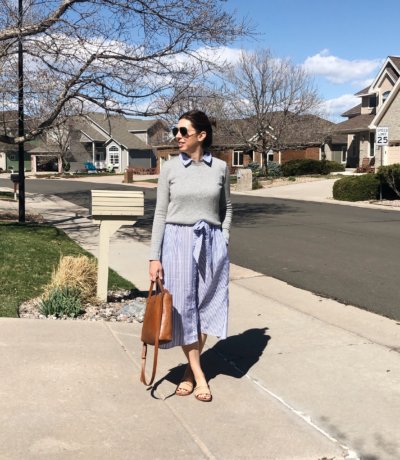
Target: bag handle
[
  {"x": 158, "y": 285},
  {"x": 144, "y": 347}
]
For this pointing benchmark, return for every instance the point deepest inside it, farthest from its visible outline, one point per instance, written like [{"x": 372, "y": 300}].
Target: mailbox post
[
  {"x": 111, "y": 209},
  {"x": 15, "y": 179}
]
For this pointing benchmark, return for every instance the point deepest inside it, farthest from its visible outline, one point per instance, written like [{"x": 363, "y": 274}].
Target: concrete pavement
[
  {"x": 319, "y": 191},
  {"x": 300, "y": 376}
]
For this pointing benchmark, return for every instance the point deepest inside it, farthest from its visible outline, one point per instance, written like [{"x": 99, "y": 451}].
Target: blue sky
[{"x": 342, "y": 43}]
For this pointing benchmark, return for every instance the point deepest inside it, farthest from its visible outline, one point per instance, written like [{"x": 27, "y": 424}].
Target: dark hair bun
[{"x": 200, "y": 122}]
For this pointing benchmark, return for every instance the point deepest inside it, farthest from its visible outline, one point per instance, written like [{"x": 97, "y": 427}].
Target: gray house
[
  {"x": 113, "y": 140},
  {"x": 101, "y": 139}
]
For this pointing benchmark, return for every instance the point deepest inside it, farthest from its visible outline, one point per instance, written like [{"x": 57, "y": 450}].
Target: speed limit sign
[{"x": 382, "y": 136}]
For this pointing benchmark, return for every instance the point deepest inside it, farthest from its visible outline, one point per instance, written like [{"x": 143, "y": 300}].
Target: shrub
[
  {"x": 255, "y": 169},
  {"x": 331, "y": 166},
  {"x": 274, "y": 169},
  {"x": 391, "y": 175},
  {"x": 356, "y": 188},
  {"x": 61, "y": 301},
  {"x": 256, "y": 184},
  {"x": 79, "y": 273},
  {"x": 307, "y": 166}
]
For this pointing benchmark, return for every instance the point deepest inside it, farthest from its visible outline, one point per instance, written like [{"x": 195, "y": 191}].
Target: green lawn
[{"x": 28, "y": 255}]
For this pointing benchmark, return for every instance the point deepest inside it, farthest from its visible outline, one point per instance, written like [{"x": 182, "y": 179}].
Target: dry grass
[{"x": 75, "y": 272}]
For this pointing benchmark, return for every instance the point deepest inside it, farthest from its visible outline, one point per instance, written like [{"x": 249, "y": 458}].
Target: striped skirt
[{"x": 196, "y": 272}]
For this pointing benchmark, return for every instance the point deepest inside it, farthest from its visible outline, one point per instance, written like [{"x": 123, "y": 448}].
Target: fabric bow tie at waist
[{"x": 202, "y": 247}]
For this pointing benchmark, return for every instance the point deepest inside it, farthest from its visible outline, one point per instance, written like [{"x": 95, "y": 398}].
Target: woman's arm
[
  {"x": 160, "y": 215},
  {"x": 226, "y": 206}
]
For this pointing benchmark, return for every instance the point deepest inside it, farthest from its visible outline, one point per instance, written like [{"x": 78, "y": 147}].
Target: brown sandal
[
  {"x": 203, "y": 393},
  {"x": 185, "y": 388}
]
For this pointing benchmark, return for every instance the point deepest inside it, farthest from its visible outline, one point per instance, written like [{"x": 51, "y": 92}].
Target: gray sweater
[{"x": 187, "y": 194}]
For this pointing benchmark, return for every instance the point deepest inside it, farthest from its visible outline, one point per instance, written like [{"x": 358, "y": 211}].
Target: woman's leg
[{"x": 193, "y": 352}]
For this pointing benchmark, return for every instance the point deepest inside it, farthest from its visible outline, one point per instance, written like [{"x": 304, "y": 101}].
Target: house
[
  {"x": 379, "y": 107},
  {"x": 306, "y": 136},
  {"x": 113, "y": 140},
  {"x": 95, "y": 137},
  {"x": 9, "y": 152},
  {"x": 310, "y": 137}
]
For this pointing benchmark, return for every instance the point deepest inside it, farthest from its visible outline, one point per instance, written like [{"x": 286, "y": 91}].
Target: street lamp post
[{"x": 21, "y": 127}]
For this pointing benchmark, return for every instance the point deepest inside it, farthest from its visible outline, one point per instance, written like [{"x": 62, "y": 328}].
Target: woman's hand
[{"x": 155, "y": 270}]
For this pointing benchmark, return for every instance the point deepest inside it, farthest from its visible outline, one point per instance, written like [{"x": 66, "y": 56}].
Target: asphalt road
[{"x": 342, "y": 252}]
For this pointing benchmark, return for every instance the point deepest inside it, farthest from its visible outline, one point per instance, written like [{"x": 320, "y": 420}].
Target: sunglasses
[{"x": 183, "y": 131}]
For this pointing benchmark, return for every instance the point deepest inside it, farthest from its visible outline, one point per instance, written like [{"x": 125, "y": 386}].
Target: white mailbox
[
  {"x": 116, "y": 205},
  {"x": 111, "y": 209}
]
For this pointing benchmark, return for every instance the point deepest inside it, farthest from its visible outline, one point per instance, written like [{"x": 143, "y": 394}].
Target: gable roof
[
  {"x": 358, "y": 122},
  {"x": 306, "y": 130},
  {"x": 117, "y": 128},
  {"x": 363, "y": 92},
  {"x": 394, "y": 92},
  {"x": 355, "y": 124},
  {"x": 103, "y": 127},
  {"x": 353, "y": 111},
  {"x": 392, "y": 63},
  {"x": 396, "y": 61}
]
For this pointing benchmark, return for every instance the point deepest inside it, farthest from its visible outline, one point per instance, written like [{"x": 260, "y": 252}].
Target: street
[{"x": 346, "y": 253}]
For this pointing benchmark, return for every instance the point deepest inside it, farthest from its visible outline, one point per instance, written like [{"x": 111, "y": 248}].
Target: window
[
  {"x": 237, "y": 159},
  {"x": 113, "y": 154},
  {"x": 344, "y": 154},
  {"x": 372, "y": 101},
  {"x": 385, "y": 95}
]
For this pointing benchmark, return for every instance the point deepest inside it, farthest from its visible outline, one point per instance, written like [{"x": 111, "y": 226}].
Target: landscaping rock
[
  {"x": 135, "y": 308},
  {"x": 132, "y": 310}
]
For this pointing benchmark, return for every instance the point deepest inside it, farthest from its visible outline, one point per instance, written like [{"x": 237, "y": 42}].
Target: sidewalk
[
  {"x": 318, "y": 191},
  {"x": 300, "y": 377}
]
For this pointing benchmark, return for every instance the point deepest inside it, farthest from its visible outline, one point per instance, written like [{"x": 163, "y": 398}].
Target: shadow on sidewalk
[{"x": 233, "y": 357}]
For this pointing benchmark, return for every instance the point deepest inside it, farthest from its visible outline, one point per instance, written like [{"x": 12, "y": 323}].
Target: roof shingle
[{"x": 355, "y": 124}]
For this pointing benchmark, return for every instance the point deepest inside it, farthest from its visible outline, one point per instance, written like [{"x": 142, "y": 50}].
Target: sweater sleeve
[
  {"x": 226, "y": 206},
  {"x": 160, "y": 214}
]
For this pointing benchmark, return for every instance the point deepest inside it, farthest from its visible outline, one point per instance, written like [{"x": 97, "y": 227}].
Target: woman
[{"x": 189, "y": 247}]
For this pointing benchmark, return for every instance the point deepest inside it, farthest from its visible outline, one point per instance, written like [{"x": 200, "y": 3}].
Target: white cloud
[
  {"x": 223, "y": 53},
  {"x": 339, "y": 71},
  {"x": 333, "y": 108},
  {"x": 362, "y": 83}
]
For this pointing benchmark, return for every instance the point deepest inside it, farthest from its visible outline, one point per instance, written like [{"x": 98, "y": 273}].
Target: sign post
[{"x": 382, "y": 139}]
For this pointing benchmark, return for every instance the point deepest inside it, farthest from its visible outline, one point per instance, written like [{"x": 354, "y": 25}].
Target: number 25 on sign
[{"x": 382, "y": 136}]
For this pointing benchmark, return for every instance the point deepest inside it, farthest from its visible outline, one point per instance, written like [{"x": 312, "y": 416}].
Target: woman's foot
[
  {"x": 203, "y": 393},
  {"x": 185, "y": 388}
]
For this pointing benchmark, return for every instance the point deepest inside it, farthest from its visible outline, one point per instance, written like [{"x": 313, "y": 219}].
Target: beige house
[{"x": 379, "y": 108}]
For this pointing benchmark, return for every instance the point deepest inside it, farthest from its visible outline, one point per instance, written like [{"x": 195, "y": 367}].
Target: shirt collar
[{"x": 186, "y": 160}]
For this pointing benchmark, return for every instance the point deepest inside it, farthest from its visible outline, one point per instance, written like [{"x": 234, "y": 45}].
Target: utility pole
[{"x": 21, "y": 127}]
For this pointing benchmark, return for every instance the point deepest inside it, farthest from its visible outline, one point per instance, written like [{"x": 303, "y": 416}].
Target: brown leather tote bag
[{"x": 157, "y": 325}]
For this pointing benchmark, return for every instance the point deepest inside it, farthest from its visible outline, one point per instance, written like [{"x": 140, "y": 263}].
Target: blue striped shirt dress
[{"x": 190, "y": 238}]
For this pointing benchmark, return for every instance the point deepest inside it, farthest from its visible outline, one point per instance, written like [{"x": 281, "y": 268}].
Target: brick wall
[{"x": 298, "y": 154}]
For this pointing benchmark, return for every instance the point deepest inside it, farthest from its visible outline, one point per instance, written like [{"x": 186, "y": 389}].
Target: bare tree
[
  {"x": 202, "y": 96},
  {"x": 264, "y": 97},
  {"x": 116, "y": 55}
]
